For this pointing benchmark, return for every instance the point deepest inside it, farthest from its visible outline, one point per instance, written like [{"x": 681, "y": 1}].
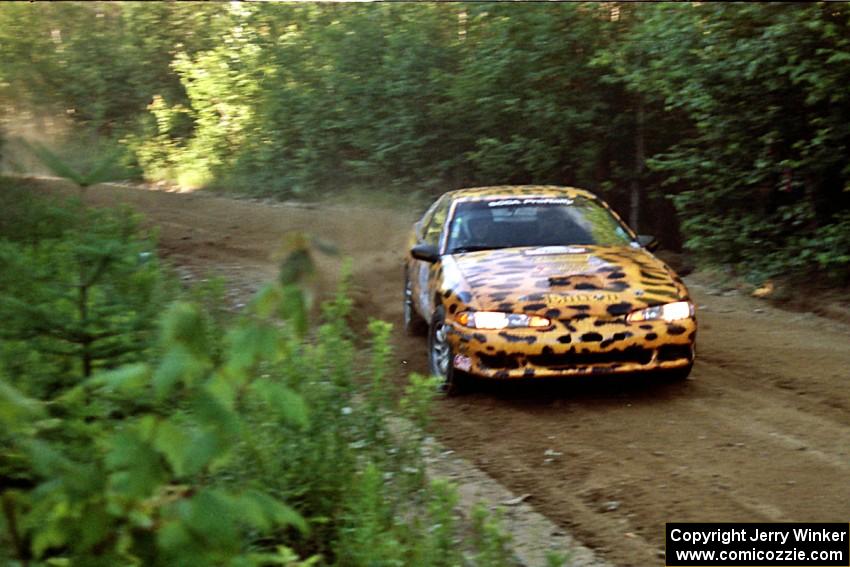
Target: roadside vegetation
[
  {"x": 142, "y": 424},
  {"x": 731, "y": 119}
]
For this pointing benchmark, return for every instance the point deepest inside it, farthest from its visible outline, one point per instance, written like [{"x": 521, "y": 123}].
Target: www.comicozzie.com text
[{"x": 726, "y": 536}]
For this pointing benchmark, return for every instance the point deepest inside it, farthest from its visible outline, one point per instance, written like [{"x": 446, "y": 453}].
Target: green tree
[
  {"x": 735, "y": 110},
  {"x": 758, "y": 161},
  {"x": 81, "y": 297}
]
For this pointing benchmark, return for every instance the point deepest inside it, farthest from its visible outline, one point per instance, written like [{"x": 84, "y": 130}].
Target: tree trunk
[{"x": 640, "y": 150}]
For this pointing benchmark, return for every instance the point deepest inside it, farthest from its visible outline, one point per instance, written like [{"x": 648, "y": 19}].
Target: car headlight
[
  {"x": 666, "y": 312},
  {"x": 499, "y": 320}
]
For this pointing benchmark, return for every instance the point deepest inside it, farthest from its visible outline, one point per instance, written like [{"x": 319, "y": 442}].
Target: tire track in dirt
[{"x": 761, "y": 432}]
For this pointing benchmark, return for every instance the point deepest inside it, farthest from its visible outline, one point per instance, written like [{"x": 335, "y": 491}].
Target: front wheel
[{"x": 441, "y": 357}]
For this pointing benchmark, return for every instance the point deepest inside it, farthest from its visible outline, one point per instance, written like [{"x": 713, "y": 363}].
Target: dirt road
[{"x": 761, "y": 432}]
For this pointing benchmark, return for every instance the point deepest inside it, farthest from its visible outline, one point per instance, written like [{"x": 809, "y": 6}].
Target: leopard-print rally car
[{"x": 541, "y": 281}]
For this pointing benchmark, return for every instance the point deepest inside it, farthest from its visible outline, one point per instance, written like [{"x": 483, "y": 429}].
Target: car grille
[
  {"x": 497, "y": 361},
  {"x": 631, "y": 355},
  {"x": 637, "y": 355},
  {"x": 674, "y": 352}
]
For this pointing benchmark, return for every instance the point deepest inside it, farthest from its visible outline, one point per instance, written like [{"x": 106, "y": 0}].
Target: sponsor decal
[
  {"x": 579, "y": 264},
  {"x": 544, "y": 250},
  {"x": 531, "y": 201},
  {"x": 562, "y": 271},
  {"x": 462, "y": 362},
  {"x": 559, "y": 268},
  {"x": 542, "y": 262},
  {"x": 556, "y": 300}
]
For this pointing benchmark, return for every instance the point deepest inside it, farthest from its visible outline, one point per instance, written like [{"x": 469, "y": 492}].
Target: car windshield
[{"x": 507, "y": 223}]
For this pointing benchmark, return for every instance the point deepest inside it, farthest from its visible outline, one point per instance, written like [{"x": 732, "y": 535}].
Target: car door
[{"x": 429, "y": 231}]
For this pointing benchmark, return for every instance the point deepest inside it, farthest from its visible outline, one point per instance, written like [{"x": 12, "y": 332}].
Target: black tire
[
  {"x": 414, "y": 325},
  {"x": 441, "y": 358},
  {"x": 677, "y": 374}
]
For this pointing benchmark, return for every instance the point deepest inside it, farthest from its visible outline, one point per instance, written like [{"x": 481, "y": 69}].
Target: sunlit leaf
[
  {"x": 289, "y": 405},
  {"x": 125, "y": 378},
  {"x": 174, "y": 441}
]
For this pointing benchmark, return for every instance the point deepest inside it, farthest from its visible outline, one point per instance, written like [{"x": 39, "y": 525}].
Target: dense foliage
[
  {"x": 738, "y": 111},
  {"x": 197, "y": 440}
]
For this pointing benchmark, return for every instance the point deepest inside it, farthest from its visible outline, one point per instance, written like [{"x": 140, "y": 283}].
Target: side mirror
[
  {"x": 648, "y": 241},
  {"x": 425, "y": 252}
]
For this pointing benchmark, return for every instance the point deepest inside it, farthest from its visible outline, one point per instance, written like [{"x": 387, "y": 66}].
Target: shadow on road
[{"x": 589, "y": 391}]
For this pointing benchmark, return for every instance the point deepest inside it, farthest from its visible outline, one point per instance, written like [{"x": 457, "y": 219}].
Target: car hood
[{"x": 563, "y": 281}]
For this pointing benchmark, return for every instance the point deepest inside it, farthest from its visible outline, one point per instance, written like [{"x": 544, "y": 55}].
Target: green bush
[
  {"x": 26, "y": 219},
  {"x": 80, "y": 290},
  {"x": 788, "y": 243},
  {"x": 193, "y": 438}
]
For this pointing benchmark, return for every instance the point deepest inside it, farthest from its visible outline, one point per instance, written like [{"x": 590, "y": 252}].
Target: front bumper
[{"x": 574, "y": 348}]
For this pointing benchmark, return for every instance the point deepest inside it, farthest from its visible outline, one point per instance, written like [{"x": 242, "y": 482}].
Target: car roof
[{"x": 513, "y": 191}]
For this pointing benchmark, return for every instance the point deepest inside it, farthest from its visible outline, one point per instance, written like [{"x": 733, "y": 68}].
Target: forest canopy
[{"x": 735, "y": 113}]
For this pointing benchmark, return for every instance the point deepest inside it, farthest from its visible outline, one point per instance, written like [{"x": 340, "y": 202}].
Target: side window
[
  {"x": 426, "y": 219},
  {"x": 433, "y": 226}
]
